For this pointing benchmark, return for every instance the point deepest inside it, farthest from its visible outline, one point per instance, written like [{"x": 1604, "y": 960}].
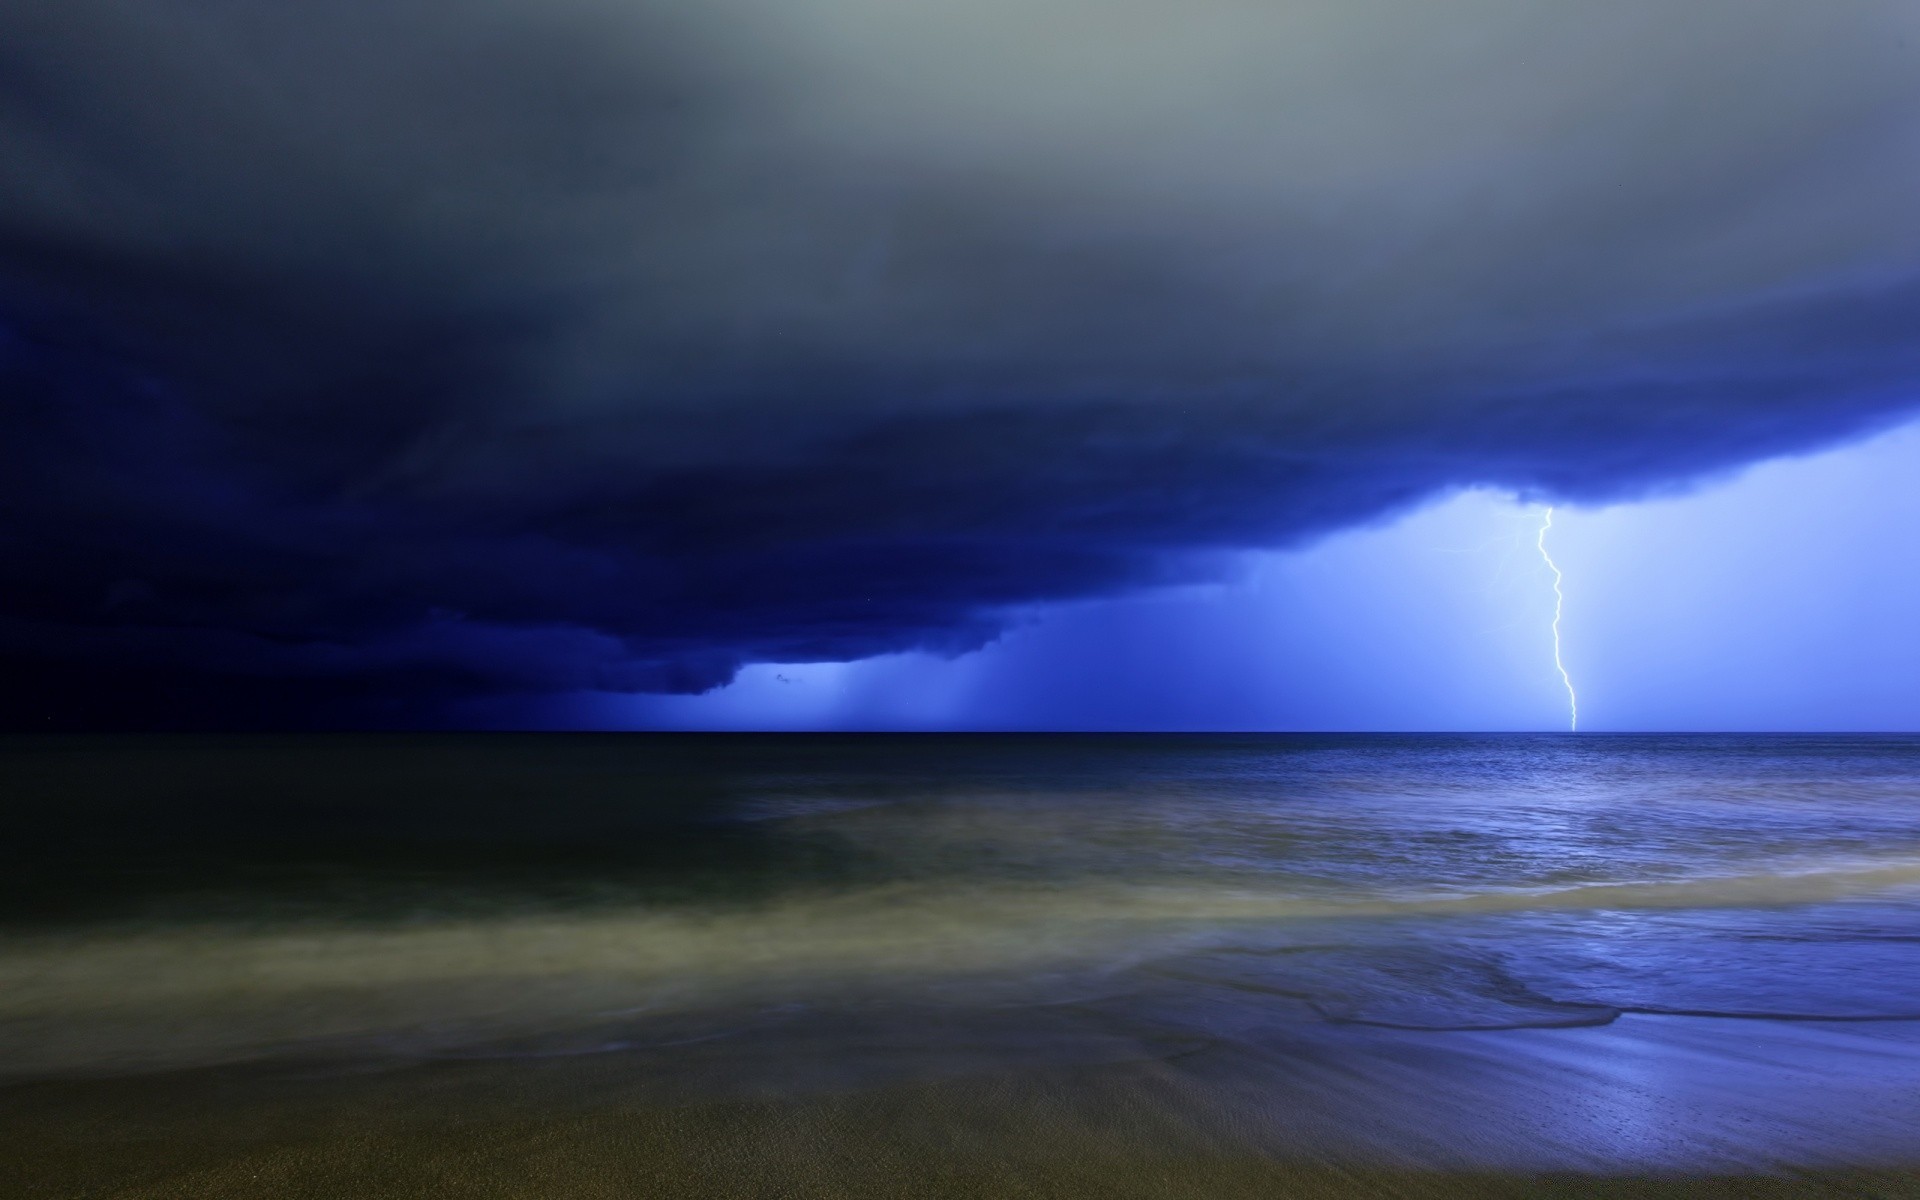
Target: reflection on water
[{"x": 1379, "y": 942}]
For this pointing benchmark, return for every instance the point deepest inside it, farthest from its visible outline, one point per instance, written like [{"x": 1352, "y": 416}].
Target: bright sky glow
[{"x": 1761, "y": 602}]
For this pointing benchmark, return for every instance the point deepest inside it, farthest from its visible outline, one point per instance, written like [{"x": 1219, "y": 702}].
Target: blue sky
[{"x": 1781, "y": 597}]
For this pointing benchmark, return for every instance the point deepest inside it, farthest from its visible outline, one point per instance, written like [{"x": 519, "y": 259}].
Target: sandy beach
[{"x": 1646, "y": 1107}]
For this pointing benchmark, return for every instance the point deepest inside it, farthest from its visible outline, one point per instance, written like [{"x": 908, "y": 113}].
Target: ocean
[{"x": 995, "y": 965}]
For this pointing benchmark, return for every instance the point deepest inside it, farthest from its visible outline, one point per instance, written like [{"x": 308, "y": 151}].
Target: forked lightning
[{"x": 1559, "y": 601}]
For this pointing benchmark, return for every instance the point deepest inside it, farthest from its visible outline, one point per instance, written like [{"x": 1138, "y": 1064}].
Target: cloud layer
[{"x": 359, "y": 356}]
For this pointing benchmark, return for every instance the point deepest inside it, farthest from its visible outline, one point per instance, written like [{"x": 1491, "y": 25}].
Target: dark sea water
[{"x": 1593, "y": 953}]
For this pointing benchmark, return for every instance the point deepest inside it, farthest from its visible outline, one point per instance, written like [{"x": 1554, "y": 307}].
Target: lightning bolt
[{"x": 1559, "y": 602}]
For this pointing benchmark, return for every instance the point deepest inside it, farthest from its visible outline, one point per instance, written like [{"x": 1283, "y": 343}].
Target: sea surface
[{"x": 1530, "y": 953}]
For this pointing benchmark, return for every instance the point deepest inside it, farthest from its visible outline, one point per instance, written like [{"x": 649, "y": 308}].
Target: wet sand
[{"x": 1645, "y": 1107}]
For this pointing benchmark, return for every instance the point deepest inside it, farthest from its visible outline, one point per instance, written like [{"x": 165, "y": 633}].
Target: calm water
[{"x": 1343, "y": 920}]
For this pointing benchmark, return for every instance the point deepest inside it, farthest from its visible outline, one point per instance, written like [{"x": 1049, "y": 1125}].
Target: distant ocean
[{"x": 1605, "y": 955}]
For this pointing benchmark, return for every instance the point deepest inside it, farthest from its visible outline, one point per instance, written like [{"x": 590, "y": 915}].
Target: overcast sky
[{"x": 389, "y": 363}]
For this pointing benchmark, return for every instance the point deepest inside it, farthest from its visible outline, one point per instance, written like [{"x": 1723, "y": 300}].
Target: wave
[{"x": 161, "y": 996}]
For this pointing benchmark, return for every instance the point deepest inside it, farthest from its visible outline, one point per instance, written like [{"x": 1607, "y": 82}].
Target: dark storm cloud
[{"x": 372, "y": 354}]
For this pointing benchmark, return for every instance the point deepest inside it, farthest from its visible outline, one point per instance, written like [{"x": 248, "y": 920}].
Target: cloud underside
[{"x": 360, "y": 357}]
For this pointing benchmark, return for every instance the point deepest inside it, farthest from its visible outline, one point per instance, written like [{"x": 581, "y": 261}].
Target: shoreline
[{"x": 1648, "y": 1107}]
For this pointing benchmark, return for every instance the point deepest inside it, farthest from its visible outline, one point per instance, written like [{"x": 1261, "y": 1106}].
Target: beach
[{"x": 1041, "y": 967}]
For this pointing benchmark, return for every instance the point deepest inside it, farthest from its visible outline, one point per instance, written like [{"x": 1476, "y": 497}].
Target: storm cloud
[{"x": 356, "y": 357}]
